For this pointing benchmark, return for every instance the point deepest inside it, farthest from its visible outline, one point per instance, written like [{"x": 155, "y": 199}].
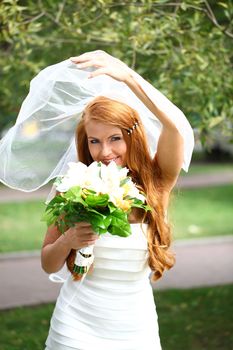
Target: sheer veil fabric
[{"x": 41, "y": 143}]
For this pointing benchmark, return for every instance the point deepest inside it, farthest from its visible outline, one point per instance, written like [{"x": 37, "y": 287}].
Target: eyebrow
[{"x": 92, "y": 137}]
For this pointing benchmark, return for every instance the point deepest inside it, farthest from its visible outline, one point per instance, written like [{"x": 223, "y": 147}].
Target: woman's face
[{"x": 106, "y": 143}]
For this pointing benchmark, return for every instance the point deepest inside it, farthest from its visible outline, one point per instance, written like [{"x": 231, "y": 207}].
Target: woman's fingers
[
  {"x": 89, "y": 63},
  {"x": 94, "y": 59},
  {"x": 89, "y": 56},
  {"x": 82, "y": 224},
  {"x": 87, "y": 243},
  {"x": 105, "y": 64},
  {"x": 85, "y": 231},
  {"x": 97, "y": 72}
]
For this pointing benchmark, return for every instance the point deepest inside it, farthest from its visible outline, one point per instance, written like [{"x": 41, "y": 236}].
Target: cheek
[
  {"x": 92, "y": 150},
  {"x": 123, "y": 149}
]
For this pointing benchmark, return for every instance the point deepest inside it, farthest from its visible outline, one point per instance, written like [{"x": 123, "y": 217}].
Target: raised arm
[{"x": 170, "y": 148}]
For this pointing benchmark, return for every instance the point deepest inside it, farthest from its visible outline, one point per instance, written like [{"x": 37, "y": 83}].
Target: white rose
[
  {"x": 116, "y": 195},
  {"x": 75, "y": 176},
  {"x": 93, "y": 180},
  {"x": 63, "y": 186},
  {"x": 111, "y": 175},
  {"x": 133, "y": 191},
  {"x": 77, "y": 173},
  {"x": 123, "y": 173}
]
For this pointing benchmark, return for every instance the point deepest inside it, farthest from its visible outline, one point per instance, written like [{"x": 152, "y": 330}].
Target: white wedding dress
[{"x": 113, "y": 307}]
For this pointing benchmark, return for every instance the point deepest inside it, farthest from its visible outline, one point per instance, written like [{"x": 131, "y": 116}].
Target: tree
[{"x": 184, "y": 48}]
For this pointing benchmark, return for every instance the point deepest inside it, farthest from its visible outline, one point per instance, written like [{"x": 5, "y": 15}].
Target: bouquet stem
[{"x": 84, "y": 259}]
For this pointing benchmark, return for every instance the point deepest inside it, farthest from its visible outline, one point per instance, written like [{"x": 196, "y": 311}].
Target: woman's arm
[
  {"x": 56, "y": 247},
  {"x": 170, "y": 148}
]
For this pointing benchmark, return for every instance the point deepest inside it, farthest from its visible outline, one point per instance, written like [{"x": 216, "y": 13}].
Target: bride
[{"x": 95, "y": 108}]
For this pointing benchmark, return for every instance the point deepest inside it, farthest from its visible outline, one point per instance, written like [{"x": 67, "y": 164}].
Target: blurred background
[{"x": 185, "y": 49}]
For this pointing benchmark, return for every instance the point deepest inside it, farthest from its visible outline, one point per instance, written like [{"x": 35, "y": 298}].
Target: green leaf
[
  {"x": 100, "y": 200},
  {"x": 124, "y": 181},
  {"x": 74, "y": 194},
  {"x": 111, "y": 207},
  {"x": 119, "y": 224},
  {"x": 48, "y": 217},
  {"x": 215, "y": 121},
  {"x": 223, "y": 4},
  {"x": 56, "y": 200}
]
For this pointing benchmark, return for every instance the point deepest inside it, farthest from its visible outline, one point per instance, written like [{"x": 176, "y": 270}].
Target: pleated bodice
[{"x": 112, "y": 308}]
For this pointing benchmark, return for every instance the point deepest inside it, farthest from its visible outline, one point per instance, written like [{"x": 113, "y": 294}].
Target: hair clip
[{"x": 130, "y": 130}]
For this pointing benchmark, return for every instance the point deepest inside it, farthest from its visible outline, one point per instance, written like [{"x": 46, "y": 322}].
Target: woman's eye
[
  {"x": 93, "y": 141},
  {"x": 116, "y": 138}
]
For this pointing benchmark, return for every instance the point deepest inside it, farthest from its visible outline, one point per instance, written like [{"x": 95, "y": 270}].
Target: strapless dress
[{"x": 113, "y": 307}]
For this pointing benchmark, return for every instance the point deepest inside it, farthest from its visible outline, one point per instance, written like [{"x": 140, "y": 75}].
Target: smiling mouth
[{"x": 107, "y": 161}]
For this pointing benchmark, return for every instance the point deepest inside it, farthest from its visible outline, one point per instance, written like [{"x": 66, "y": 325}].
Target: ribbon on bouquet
[{"x": 83, "y": 260}]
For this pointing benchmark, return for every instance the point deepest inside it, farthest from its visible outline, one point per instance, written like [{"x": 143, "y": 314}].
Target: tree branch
[
  {"x": 33, "y": 19},
  {"x": 134, "y": 55},
  {"x": 213, "y": 19},
  {"x": 61, "y": 8}
]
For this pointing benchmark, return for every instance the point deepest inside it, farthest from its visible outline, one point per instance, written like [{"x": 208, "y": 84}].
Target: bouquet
[{"x": 100, "y": 194}]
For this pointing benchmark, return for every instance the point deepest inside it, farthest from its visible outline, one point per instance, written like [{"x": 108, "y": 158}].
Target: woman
[{"x": 113, "y": 308}]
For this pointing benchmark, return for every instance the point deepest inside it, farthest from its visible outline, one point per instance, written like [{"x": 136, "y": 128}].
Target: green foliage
[
  {"x": 184, "y": 48},
  {"x": 77, "y": 205}
]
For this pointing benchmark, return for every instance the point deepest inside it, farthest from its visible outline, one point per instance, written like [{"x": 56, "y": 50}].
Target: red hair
[{"x": 143, "y": 170}]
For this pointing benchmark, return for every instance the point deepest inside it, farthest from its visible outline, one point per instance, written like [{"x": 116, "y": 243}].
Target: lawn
[
  {"x": 208, "y": 168},
  {"x": 21, "y": 228},
  {"x": 193, "y": 213},
  {"x": 195, "y": 319},
  {"x": 202, "y": 212}
]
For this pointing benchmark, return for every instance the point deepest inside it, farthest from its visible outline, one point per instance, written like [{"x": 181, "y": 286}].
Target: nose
[{"x": 105, "y": 150}]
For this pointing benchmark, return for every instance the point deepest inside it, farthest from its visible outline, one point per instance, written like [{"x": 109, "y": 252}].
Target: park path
[{"x": 199, "y": 262}]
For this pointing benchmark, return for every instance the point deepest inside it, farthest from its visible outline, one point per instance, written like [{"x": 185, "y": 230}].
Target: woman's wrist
[
  {"x": 64, "y": 243},
  {"x": 130, "y": 80}
]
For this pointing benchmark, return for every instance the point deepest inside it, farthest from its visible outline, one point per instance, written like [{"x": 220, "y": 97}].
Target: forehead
[{"x": 99, "y": 129}]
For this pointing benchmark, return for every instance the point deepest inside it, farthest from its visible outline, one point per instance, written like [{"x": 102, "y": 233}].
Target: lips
[{"x": 107, "y": 161}]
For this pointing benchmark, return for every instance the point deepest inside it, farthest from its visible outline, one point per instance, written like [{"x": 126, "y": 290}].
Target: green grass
[
  {"x": 195, "y": 319},
  {"x": 202, "y": 212},
  {"x": 21, "y": 228},
  {"x": 194, "y": 213},
  {"x": 208, "y": 168},
  {"x": 198, "y": 319},
  {"x": 25, "y": 328}
]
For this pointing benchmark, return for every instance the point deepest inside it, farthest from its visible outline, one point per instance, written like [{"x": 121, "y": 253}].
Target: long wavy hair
[{"x": 144, "y": 171}]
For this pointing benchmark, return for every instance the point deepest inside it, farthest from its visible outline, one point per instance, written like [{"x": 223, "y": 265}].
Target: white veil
[{"x": 41, "y": 143}]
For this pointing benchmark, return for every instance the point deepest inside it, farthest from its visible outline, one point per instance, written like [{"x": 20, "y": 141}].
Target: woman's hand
[
  {"x": 105, "y": 64},
  {"x": 80, "y": 236}
]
